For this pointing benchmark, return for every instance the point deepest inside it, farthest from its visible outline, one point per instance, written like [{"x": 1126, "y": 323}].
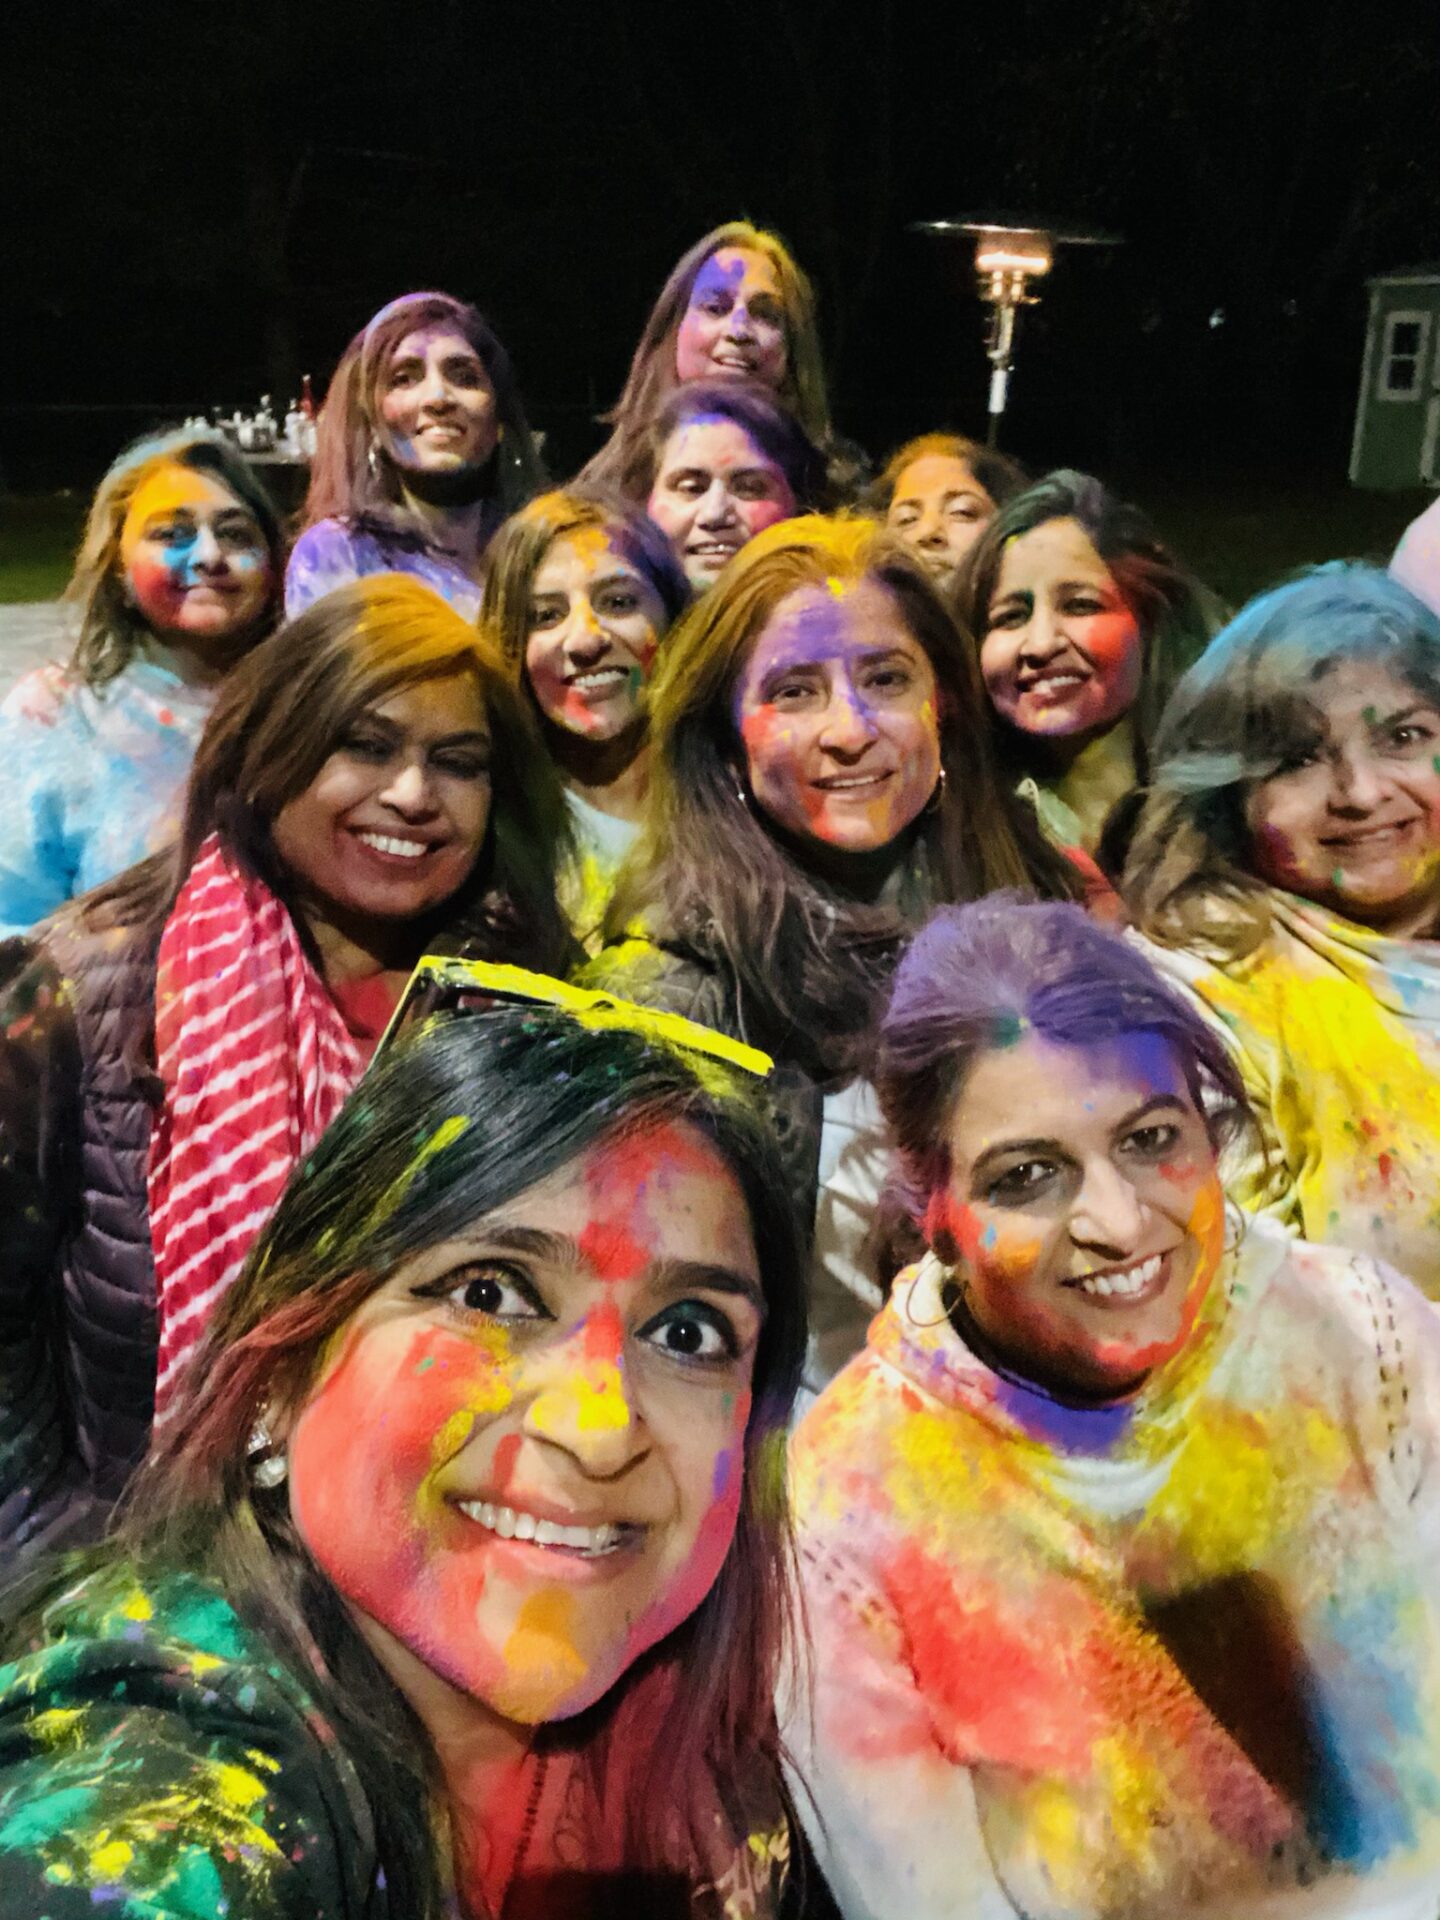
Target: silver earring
[
  {"x": 937, "y": 798},
  {"x": 372, "y": 460},
  {"x": 268, "y": 1465}
]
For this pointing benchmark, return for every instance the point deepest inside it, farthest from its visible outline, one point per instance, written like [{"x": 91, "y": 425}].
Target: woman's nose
[
  {"x": 1356, "y": 780},
  {"x": 584, "y": 1403},
  {"x": 1109, "y": 1216},
  {"x": 849, "y": 723},
  {"x": 410, "y": 790},
  {"x": 741, "y": 326},
  {"x": 717, "y": 508},
  {"x": 206, "y": 550}
]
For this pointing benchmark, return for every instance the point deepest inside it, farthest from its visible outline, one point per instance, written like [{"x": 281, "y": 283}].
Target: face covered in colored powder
[
  {"x": 1061, "y": 652},
  {"x": 1084, "y": 1211},
  {"x": 939, "y": 508},
  {"x": 1352, "y": 818},
  {"x": 437, "y": 406},
  {"x": 734, "y": 325},
  {"x": 391, "y": 825},
  {"x": 522, "y": 1460},
  {"x": 594, "y": 625},
  {"x": 195, "y": 562},
  {"x": 836, "y": 709},
  {"x": 714, "y": 490}
]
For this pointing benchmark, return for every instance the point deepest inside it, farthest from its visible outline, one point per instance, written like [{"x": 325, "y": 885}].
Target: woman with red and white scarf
[{"x": 174, "y": 1043}]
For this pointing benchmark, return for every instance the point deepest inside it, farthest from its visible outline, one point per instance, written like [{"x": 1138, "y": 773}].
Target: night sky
[{"x": 200, "y": 202}]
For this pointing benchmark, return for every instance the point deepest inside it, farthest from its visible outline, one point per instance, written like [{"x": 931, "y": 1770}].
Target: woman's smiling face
[
  {"x": 1061, "y": 652},
  {"x": 522, "y": 1460},
  {"x": 1352, "y": 819},
  {"x": 1083, "y": 1210}
]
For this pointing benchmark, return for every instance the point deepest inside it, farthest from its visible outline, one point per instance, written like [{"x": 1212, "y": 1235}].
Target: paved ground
[{"x": 28, "y": 635}]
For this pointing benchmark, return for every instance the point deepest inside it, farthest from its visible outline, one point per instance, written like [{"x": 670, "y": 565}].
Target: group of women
[{"x": 849, "y": 1348}]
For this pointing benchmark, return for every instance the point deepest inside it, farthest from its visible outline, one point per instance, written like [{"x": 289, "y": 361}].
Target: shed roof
[{"x": 1427, "y": 270}]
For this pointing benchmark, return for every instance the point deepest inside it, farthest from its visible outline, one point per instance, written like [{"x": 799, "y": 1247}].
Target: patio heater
[{"x": 1011, "y": 254}]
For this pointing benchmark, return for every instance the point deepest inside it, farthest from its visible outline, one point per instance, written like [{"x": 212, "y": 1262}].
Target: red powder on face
[
  {"x": 502, "y": 1471},
  {"x": 612, "y": 1250},
  {"x": 604, "y": 1334}
]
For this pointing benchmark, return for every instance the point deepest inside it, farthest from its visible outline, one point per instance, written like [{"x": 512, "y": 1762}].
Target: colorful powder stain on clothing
[{"x": 1184, "y": 1661}]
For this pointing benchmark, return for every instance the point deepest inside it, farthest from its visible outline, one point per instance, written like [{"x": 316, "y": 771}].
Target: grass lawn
[
  {"x": 1244, "y": 535},
  {"x": 1238, "y": 535},
  {"x": 38, "y": 537}
]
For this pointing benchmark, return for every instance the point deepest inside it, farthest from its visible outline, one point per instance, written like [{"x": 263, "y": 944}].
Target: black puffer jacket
[{"x": 77, "y": 1282}]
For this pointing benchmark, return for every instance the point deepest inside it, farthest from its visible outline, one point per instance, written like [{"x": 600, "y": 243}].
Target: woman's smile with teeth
[
  {"x": 600, "y": 677},
  {"x": 389, "y": 843},
  {"x": 511, "y": 1524},
  {"x": 1124, "y": 1283},
  {"x": 845, "y": 782}
]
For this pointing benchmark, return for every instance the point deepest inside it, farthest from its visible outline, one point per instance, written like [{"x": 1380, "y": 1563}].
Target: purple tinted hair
[{"x": 982, "y": 976}]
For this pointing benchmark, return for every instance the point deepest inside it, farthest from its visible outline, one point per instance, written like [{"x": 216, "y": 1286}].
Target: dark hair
[
  {"x": 112, "y": 631},
  {"x": 981, "y": 976},
  {"x": 1234, "y": 720},
  {"x": 467, "y": 1112},
  {"x": 1175, "y": 614},
  {"x": 281, "y": 714},
  {"x": 1000, "y": 476},
  {"x": 520, "y": 547},
  {"x": 354, "y": 480},
  {"x": 709, "y": 867},
  {"x": 757, "y": 413}
]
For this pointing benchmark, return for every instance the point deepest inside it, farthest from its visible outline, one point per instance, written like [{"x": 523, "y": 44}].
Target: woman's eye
[
  {"x": 620, "y": 603},
  {"x": 240, "y": 539},
  {"x": 1298, "y": 759},
  {"x": 693, "y": 1331},
  {"x": 889, "y": 680},
  {"x": 1020, "y": 1183},
  {"x": 176, "y": 533},
  {"x": 366, "y": 746},
  {"x": 904, "y": 519},
  {"x": 716, "y": 305},
  {"x": 753, "y": 486},
  {"x": 463, "y": 766},
  {"x": 403, "y": 377},
  {"x": 1007, "y": 618},
  {"x": 966, "y": 510},
  {"x": 1083, "y": 606},
  {"x": 542, "y": 618},
  {"x": 1411, "y": 734},
  {"x": 1154, "y": 1142},
  {"x": 789, "y": 692},
  {"x": 492, "y": 1287}
]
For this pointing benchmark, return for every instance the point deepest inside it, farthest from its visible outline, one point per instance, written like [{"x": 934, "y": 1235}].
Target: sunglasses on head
[{"x": 444, "y": 983}]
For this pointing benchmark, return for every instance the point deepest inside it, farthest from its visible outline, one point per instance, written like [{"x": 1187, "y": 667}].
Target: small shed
[{"x": 1397, "y": 421}]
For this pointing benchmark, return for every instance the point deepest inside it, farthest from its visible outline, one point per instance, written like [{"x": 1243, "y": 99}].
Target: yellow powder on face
[
  {"x": 170, "y": 489},
  {"x": 540, "y": 1656},
  {"x": 595, "y": 1397}
]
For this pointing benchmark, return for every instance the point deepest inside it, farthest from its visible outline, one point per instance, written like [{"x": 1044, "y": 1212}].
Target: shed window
[{"x": 1402, "y": 355}]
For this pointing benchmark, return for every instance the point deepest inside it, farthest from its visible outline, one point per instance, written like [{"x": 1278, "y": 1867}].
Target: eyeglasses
[{"x": 446, "y": 983}]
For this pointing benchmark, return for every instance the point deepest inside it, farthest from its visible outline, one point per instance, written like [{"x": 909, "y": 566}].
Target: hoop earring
[
  {"x": 268, "y": 1465},
  {"x": 937, "y": 798},
  {"x": 951, "y": 1293}
]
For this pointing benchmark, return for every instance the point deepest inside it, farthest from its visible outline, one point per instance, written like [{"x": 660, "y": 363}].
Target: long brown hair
[
  {"x": 353, "y": 479},
  {"x": 112, "y": 630},
  {"x": 709, "y": 869},
  {"x": 532, "y": 1089},
  {"x": 287, "y": 707},
  {"x": 652, "y": 377}
]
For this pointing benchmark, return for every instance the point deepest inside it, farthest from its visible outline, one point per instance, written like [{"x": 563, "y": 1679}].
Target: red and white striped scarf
[{"x": 255, "y": 1061}]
